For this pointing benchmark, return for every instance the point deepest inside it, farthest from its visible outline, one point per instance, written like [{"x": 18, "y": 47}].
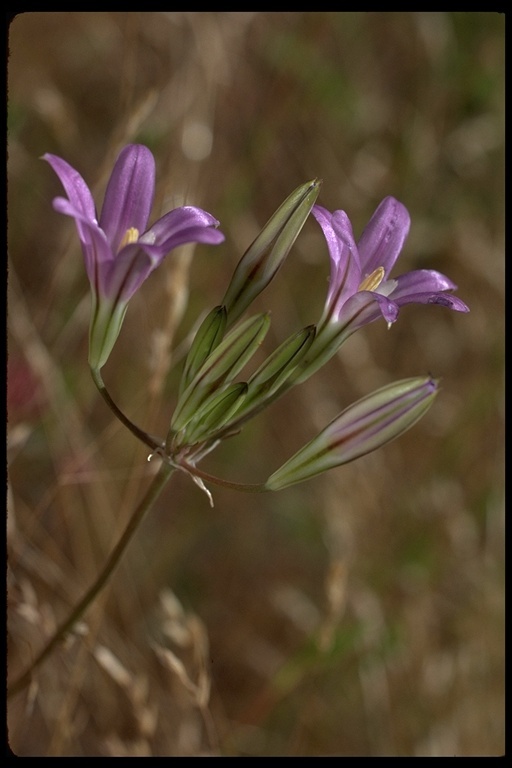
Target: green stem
[
  {"x": 244, "y": 487},
  {"x": 147, "y": 439},
  {"x": 152, "y": 493}
]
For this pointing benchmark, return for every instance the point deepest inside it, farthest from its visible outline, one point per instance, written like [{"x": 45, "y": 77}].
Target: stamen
[
  {"x": 131, "y": 236},
  {"x": 371, "y": 282}
]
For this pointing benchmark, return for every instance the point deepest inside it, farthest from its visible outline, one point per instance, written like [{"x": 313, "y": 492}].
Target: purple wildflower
[
  {"x": 120, "y": 252},
  {"x": 360, "y": 289}
]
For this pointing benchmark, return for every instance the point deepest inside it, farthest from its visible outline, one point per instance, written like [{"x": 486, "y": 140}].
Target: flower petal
[
  {"x": 177, "y": 224},
  {"x": 129, "y": 194},
  {"x": 345, "y": 264},
  {"x": 426, "y": 286},
  {"x": 183, "y": 225},
  {"x": 421, "y": 281},
  {"x": 96, "y": 250},
  {"x": 384, "y": 236},
  {"x": 445, "y": 299},
  {"x": 348, "y": 276},
  {"x": 452, "y": 302},
  {"x": 364, "y": 307},
  {"x": 78, "y": 192},
  {"x": 130, "y": 268},
  {"x": 324, "y": 218}
]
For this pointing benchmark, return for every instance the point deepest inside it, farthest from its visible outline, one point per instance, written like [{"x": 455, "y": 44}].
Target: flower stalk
[
  {"x": 153, "y": 492},
  {"x": 152, "y": 442}
]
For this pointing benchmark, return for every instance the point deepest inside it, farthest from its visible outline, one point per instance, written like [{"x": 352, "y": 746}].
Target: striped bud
[
  {"x": 359, "y": 429},
  {"x": 265, "y": 256}
]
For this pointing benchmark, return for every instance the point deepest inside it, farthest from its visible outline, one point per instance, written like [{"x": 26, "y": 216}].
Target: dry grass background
[{"x": 361, "y": 613}]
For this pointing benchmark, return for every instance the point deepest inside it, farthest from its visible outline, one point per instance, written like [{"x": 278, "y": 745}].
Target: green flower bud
[
  {"x": 359, "y": 429},
  {"x": 215, "y": 412},
  {"x": 209, "y": 336},
  {"x": 221, "y": 366},
  {"x": 267, "y": 253}
]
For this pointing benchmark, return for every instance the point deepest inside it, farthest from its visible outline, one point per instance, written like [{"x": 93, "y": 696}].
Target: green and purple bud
[
  {"x": 265, "y": 256},
  {"x": 208, "y": 336},
  {"x": 262, "y": 388},
  {"x": 269, "y": 380},
  {"x": 361, "y": 428},
  {"x": 215, "y": 413},
  {"x": 220, "y": 367}
]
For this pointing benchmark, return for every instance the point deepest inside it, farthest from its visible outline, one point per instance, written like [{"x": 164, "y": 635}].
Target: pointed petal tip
[{"x": 451, "y": 302}]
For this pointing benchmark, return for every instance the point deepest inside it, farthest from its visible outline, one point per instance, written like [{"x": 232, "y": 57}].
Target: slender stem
[
  {"x": 245, "y": 487},
  {"x": 154, "y": 490},
  {"x": 147, "y": 439}
]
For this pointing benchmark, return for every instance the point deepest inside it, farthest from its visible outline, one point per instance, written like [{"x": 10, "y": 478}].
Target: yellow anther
[
  {"x": 371, "y": 282},
  {"x": 130, "y": 236}
]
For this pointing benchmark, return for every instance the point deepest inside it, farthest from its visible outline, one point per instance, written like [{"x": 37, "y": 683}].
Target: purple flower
[
  {"x": 120, "y": 252},
  {"x": 360, "y": 288}
]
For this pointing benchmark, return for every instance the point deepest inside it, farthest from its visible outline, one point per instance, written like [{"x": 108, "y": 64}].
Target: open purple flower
[
  {"x": 120, "y": 252},
  {"x": 360, "y": 288}
]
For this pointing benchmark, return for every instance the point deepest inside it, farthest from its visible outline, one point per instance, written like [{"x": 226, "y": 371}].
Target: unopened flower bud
[
  {"x": 267, "y": 253},
  {"x": 221, "y": 366},
  {"x": 208, "y": 336},
  {"x": 359, "y": 429}
]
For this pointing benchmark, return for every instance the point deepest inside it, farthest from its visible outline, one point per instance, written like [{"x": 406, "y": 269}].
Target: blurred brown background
[{"x": 360, "y": 613}]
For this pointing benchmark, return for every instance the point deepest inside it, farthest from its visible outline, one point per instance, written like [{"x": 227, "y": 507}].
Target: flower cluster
[{"x": 120, "y": 252}]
